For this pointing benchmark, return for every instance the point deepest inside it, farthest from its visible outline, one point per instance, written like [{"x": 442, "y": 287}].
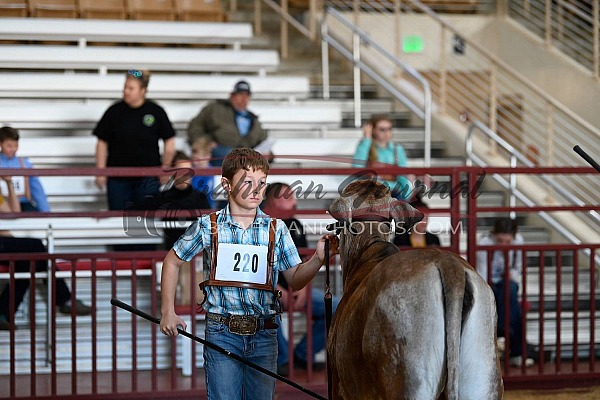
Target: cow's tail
[{"x": 453, "y": 279}]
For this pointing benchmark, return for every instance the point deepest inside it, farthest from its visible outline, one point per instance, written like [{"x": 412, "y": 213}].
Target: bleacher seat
[
  {"x": 162, "y": 10},
  {"x": 53, "y": 8},
  {"x": 65, "y": 117},
  {"x": 105, "y": 9},
  {"x": 82, "y": 31},
  {"x": 82, "y": 234},
  {"x": 162, "y": 86},
  {"x": 80, "y": 150},
  {"x": 14, "y": 8},
  {"x": 122, "y": 58},
  {"x": 200, "y": 10}
]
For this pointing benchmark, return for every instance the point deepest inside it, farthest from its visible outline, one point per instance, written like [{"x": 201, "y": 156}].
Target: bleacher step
[
  {"x": 340, "y": 91},
  {"x": 400, "y": 119}
]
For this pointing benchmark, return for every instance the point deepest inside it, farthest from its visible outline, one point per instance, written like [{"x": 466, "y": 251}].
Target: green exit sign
[{"x": 412, "y": 44}]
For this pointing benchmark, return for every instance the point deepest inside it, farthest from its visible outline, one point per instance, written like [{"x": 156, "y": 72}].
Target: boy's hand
[
  {"x": 101, "y": 182},
  {"x": 169, "y": 324},
  {"x": 333, "y": 247}
]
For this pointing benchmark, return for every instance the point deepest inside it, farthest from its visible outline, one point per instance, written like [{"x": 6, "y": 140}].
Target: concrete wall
[
  {"x": 548, "y": 69},
  {"x": 553, "y": 72},
  {"x": 381, "y": 29}
]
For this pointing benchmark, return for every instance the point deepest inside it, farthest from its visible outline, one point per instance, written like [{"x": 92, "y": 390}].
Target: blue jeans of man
[
  {"x": 318, "y": 331},
  {"x": 515, "y": 329},
  {"x": 131, "y": 194},
  {"x": 228, "y": 379}
]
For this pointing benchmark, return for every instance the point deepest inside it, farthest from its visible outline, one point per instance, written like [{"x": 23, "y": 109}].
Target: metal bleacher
[
  {"x": 56, "y": 111},
  {"x": 163, "y": 86},
  {"x": 62, "y": 117},
  {"x": 122, "y": 58},
  {"x": 79, "y": 56},
  {"x": 83, "y": 31}
]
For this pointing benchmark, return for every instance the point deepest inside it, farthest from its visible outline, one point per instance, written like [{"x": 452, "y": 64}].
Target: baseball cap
[{"x": 241, "y": 87}]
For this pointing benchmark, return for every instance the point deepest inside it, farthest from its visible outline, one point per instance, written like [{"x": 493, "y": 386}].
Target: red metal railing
[{"x": 112, "y": 355}]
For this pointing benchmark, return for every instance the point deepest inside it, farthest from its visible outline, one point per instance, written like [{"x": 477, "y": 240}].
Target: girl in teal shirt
[{"x": 377, "y": 147}]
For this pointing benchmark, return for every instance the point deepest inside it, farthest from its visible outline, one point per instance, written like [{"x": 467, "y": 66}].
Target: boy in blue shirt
[
  {"x": 28, "y": 188},
  {"x": 244, "y": 250}
]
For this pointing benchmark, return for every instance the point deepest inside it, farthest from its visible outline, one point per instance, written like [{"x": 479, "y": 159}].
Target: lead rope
[{"x": 328, "y": 314}]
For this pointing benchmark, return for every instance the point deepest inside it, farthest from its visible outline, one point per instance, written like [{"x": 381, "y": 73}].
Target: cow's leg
[{"x": 479, "y": 370}]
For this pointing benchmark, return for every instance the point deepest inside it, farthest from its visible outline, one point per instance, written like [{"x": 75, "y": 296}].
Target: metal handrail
[
  {"x": 504, "y": 66},
  {"x": 511, "y": 185},
  {"x": 546, "y": 217},
  {"x": 555, "y": 19},
  {"x": 286, "y": 18},
  {"x": 482, "y": 85},
  {"x": 513, "y": 72},
  {"x": 360, "y": 37},
  {"x": 516, "y": 193},
  {"x": 550, "y": 125},
  {"x": 552, "y": 117},
  {"x": 496, "y": 62}
]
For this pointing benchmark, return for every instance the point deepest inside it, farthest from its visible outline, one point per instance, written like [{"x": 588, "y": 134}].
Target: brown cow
[{"x": 412, "y": 324}]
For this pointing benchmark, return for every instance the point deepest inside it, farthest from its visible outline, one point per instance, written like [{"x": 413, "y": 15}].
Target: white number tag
[
  {"x": 18, "y": 183},
  {"x": 242, "y": 263}
]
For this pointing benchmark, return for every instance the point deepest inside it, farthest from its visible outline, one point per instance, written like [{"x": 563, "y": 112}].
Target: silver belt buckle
[{"x": 243, "y": 325}]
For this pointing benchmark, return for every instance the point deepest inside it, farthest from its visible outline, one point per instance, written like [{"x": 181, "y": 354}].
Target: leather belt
[{"x": 244, "y": 324}]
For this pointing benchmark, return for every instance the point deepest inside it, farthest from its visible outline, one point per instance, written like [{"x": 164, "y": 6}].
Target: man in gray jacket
[{"x": 228, "y": 123}]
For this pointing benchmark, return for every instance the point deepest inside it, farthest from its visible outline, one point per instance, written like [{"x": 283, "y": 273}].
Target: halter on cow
[{"x": 411, "y": 324}]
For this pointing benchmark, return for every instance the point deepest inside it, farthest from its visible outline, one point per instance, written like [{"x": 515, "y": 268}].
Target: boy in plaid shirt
[{"x": 249, "y": 251}]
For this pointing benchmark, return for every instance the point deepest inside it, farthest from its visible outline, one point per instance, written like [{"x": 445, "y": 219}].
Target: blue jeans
[
  {"x": 130, "y": 193},
  {"x": 515, "y": 329},
  {"x": 228, "y": 379},
  {"x": 318, "y": 331}
]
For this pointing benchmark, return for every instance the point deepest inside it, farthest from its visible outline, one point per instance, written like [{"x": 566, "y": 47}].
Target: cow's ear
[
  {"x": 340, "y": 209},
  {"x": 405, "y": 214}
]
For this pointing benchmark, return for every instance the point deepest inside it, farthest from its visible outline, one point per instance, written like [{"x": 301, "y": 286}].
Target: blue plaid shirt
[{"x": 232, "y": 300}]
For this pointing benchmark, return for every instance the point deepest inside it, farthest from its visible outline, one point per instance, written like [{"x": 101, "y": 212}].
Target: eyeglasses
[
  {"x": 384, "y": 129},
  {"x": 136, "y": 73}
]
